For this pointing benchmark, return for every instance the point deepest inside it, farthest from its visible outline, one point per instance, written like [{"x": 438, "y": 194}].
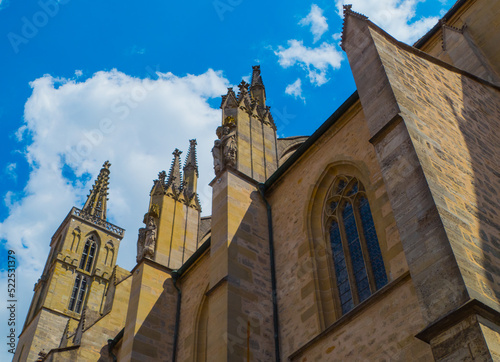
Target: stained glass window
[
  {"x": 357, "y": 258},
  {"x": 340, "y": 269}
]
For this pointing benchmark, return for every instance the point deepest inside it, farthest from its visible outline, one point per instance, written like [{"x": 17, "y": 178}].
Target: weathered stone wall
[
  {"x": 478, "y": 45},
  {"x": 240, "y": 309},
  {"x": 44, "y": 333},
  {"x": 454, "y": 124},
  {"x": 194, "y": 285},
  {"x": 150, "y": 320},
  {"x": 440, "y": 138},
  {"x": 94, "y": 342},
  {"x": 384, "y": 330},
  {"x": 303, "y": 255}
]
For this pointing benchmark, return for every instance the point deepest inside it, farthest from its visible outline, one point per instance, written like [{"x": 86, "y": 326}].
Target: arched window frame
[
  {"x": 110, "y": 253},
  {"x": 78, "y": 294},
  {"x": 89, "y": 254},
  {"x": 364, "y": 249}
]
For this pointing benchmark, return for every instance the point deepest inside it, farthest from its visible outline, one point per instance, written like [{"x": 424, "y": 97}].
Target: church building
[{"x": 377, "y": 238}]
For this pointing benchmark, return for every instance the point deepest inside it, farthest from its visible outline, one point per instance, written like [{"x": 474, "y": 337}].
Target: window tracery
[
  {"x": 359, "y": 269},
  {"x": 88, "y": 254}
]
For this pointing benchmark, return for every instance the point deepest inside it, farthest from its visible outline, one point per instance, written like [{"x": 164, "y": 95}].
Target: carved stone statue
[
  {"x": 147, "y": 240},
  {"x": 225, "y": 148},
  {"x": 216, "y": 152},
  {"x": 230, "y": 147}
]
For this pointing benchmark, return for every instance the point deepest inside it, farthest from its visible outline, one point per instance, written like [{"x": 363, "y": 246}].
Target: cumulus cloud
[
  {"x": 317, "y": 61},
  {"x": 295, "y": 89},
  {"x": 317, "y": 22},
  {"x": 397, "y": 17},
  {"x": 72, "y": 127}
]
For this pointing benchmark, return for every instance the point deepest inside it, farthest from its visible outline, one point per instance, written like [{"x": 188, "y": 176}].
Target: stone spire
[
  {"x": 257, "y": 90},
  {"x": 96, "y": 200},
  {"x": 191, "y": 171},
  {"x": 174, "y": 180}
]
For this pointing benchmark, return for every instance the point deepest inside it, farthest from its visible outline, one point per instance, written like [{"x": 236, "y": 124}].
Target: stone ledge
[
  {"x": 472, "y": 306},
  {"x": 346, "y": 318}
]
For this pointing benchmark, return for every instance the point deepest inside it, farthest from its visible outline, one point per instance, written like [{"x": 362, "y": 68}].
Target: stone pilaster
[{"x": 240, "y": 309}]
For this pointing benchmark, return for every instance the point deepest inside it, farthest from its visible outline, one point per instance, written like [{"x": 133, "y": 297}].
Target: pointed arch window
[
  {"x": 88, "y": 254},
  {"x": 359, "y": 269},
  {"x": 78, "y": 294}
]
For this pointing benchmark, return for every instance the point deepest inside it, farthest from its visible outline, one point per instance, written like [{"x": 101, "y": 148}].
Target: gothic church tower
[{"x": 76, "y": 276}]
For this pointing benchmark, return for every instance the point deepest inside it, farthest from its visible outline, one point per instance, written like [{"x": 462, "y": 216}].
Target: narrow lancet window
[
  {"x": 78, "y": 294},
  {"x": 358, "y": 265},
  {"x": 74, "y": 294},
  {"x": 88, "y": 255}
]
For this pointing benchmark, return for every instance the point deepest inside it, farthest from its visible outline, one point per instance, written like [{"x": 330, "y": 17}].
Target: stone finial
[
  {"x": 229, "y": 100},
  {"x": 257, "y": 89},
  {"x": 256, "y": 77},
  {"x": 191, "y": 160},
  {"x": 162, "y": 175},
  {"x": 174, "y": 176},
  {"x": 348, "y": 11}
]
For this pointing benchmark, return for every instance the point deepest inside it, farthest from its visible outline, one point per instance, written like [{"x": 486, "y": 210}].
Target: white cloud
[
  {"x": 4, "y": 4},
  {"x": 397, "y": 17},
  {"x": 295, "y": 89},
  {"x": 317, "y": 22},
  {"x": 78, "y": 73},
  {"x": 317, "y": 61},
  {"x": 135, "y": 123},
  {"x": 10, "y": 171}
]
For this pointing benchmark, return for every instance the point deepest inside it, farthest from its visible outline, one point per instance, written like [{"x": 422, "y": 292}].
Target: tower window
[
  {"x": 78, "y": 294},
  {"x": 358, "y": 265},
  {"x": 88, "y": 254}
]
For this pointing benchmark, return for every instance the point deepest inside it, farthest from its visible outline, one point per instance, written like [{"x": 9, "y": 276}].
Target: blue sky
[{"x": 84, "y": 82}]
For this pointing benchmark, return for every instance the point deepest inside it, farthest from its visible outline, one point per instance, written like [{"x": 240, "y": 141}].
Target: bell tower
[{"x": 76, "y": 276}]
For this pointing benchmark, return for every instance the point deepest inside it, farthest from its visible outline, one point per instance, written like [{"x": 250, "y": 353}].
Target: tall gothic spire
[
  {"x": 96, "y": 200},
  {"x": 257, "y": 90},
  {"x": 191, "y": 171},
  {"x": 174, "y": 176}
]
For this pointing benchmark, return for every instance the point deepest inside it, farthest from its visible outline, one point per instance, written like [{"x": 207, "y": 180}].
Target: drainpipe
[
  {"x": 175, "y": 278},
  {"x": 262, "y": 189},
  {"x": 112, "y": 343}
]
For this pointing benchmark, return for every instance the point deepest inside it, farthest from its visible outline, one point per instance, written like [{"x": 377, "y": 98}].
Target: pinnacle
[
  {"x": 257, "y": 89},
  {"x": 229, "y": 100},
  {"x": 174, "y": 176},
  {"x": 256, "y": 77},
  {"x": 97, "y": 198},
  {"x": 191, "y": 160}
]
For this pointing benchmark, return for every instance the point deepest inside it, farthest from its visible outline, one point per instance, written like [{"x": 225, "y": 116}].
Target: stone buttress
[
  {"x": 239, "y": 296},
  {"x": 169, "y": 238},
  {"x": 431, "y": 150}
]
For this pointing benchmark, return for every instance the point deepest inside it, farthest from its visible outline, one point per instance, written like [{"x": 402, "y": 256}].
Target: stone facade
[{"x": 282, "y": 270}]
